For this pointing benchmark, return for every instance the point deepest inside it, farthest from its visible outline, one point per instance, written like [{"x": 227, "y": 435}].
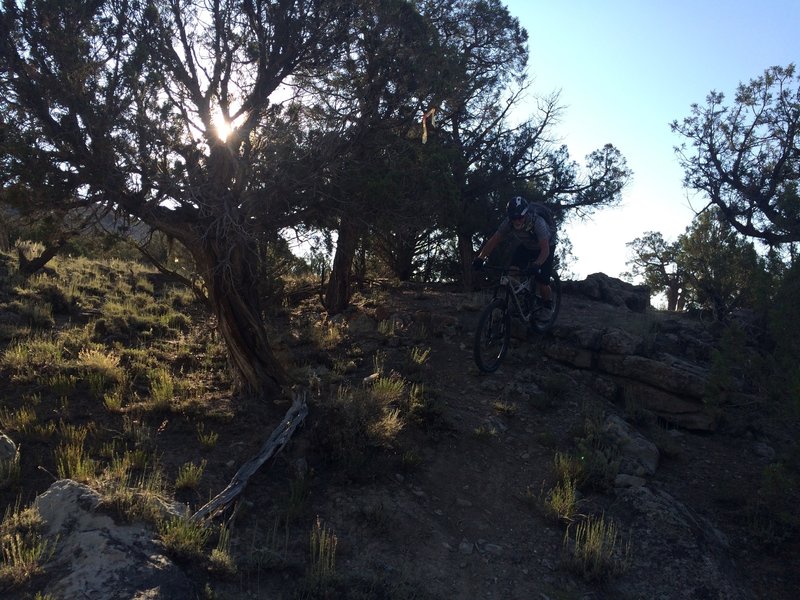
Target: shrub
[
  {"x": 22, "y": 547},
  {"x": 596, "y": 551},
  {"x": 189, "y": 476},
  {"x": 183, "y": 538}
]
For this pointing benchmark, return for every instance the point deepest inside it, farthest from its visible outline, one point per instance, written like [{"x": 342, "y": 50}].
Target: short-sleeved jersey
[{"x": 536, "y": 228}]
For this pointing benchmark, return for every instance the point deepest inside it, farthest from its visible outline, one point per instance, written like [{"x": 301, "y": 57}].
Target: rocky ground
[{"x": 453, "y": 508}]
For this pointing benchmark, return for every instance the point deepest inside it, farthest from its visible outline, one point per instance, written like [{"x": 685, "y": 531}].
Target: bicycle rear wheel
[
  {"x": 541, "y": 321},
  {"x": 492, "y": 336}
]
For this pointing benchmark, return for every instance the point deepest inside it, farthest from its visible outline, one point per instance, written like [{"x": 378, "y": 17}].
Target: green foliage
[
  {"x": 743, "y": 157},
  {"x": 362, "y": 422},
  {"x": 189, "y": 475},
  {"x": 656, "y": 261},
  {"x": 561, "y": 501},
  {"x": 24, "y": 550},
  {"x": 132, "y": 487},
  {"x": 722, "y": 268},
  {"x": 221, "y": 560},
  {"x": 784, "y": 327},
  {"x": 162, "y": 390},
  {"x": 597, "y": 453},
  {"x": 728, "y": 365},
  {"x": 773, "y": 517},
  {"x": 183, "y": 538},
  {"x": 10, "y": 471},
  {"x": 73, "y": 461},
  {"x": 207, "y": 439}
]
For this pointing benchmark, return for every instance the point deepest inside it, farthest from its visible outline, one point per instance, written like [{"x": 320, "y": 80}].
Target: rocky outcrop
[
  {"x": 636, "y": 370},
  {"x": 638, "y": 456},
  {"x": 8, "y": 449},
  {"x": 97, "y": 558},
  {"x": 679, "y": 554},
  {"x": 611, "y": 290}
]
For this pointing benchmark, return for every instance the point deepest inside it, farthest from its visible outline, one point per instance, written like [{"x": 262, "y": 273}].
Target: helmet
[{"x": 517, "y": 207}]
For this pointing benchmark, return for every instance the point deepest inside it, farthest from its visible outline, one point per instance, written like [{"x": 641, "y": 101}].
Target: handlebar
[{"x": 508, "y": 269}]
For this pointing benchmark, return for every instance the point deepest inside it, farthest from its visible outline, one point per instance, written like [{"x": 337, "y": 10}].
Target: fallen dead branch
[{"x": 280, "y": 436}]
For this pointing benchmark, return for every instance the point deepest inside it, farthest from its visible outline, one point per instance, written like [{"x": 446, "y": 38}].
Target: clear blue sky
[{"x": 625, "y": 70}]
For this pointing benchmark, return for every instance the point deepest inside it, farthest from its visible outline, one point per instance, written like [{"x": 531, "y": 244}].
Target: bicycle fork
[{"x": 516, "y": 290}]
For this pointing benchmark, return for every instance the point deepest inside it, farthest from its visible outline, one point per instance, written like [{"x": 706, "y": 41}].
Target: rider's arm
[{"x": 544, "y": 251}]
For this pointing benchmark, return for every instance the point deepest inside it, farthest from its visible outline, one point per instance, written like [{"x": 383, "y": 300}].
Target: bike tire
[
  {"x": 492, "y": 336},
  {"x": 545, "y": 326}
]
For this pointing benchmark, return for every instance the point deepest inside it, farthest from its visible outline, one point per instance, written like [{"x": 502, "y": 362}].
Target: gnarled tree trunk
[
  {"x": 466, "y": 253},
  {"x": 233, "y": 295},
  {"x": 29, "y": 266},
  {"x": 337, "y": 295}
]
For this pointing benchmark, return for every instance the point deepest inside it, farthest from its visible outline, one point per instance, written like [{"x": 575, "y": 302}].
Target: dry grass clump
[
  {"x": 23, "y": 549},
  {"x": 183, "y": 538},
  {"x": 594, "y": 549}
]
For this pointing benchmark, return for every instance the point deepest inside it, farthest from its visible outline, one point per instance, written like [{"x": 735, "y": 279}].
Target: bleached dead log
[{"x": 280, "y": 436}]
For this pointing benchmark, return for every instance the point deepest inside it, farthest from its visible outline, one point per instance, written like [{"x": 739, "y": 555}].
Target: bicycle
[{"x": 513, "y": 297}]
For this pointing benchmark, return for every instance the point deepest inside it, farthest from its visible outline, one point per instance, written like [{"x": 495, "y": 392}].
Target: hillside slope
[{"x": 438, "y": 481}]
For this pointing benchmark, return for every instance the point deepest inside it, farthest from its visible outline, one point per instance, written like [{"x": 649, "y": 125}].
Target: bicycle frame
[{"x": 512, "y": 287}]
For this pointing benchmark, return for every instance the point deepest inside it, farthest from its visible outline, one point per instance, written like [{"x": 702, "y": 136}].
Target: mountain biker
[{"x": 532, "y": 224}]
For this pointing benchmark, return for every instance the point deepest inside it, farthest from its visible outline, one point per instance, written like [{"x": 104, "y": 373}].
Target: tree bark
[
  {"x": 466, "y": 253},
  {"x": 672, "y": 296},
  {"x": 234, "y": 298},
  {"x": 337, "y": 295},
  {"x": 28, "y": 267}
]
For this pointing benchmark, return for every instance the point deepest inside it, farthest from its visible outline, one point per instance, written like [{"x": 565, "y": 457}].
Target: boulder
[
  {"x": 679, "y": 553},
  {"x": 669, "y": 375},
  {"x": 98, "y": 558},
  {"x": 683, "y": 412},
  {"x": 8, "y": 449},
  {"x": 639, "y": 456},
  {"x": 601, "y": 287}
]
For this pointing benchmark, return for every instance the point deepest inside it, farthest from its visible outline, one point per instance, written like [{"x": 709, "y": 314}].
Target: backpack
[{"x": 542, "y": 210}]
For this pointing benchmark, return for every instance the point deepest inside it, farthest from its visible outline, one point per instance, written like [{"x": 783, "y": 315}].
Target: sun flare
[{"x": 223, "y": 128}]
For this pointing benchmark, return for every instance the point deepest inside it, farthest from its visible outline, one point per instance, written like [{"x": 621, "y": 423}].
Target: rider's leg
[
  {"x": 543, "y": 279},
  {"x": 545, "y": 293}
]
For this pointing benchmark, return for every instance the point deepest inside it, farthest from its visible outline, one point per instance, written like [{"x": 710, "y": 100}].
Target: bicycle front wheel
[{"x": 492, "y": 336}]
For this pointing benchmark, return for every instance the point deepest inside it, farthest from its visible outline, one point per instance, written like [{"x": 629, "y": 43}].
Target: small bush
[
  {"x": 561, "y": 502},
  {"x": 73, "y": 462},
  {"x": 162, "y": 390},
  {"x": 772, "y": 514},
  {"x": 23, "y": 557},
  {"x": 388, "y": 389},
  {"x": 183, "y": 538},
  {"x": 322, "y": 568},
  {"x": 28, "y": 358},
  {"x": 189, "y": 476},
  {"x": 10, "y": 471},
  {"x": 600, "y": 460},
  {"x": 222, "y": 563},
  {"x": 596, "y": 551},
  {"x": 36, "y": 313},
  {"x": 22, "y": 547},
  {"x": 20, "y": 420},
  {"x": 568, "y": 467},
  {"x": 132, "y": 496},
  {"x": 207, "y": 439}
]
